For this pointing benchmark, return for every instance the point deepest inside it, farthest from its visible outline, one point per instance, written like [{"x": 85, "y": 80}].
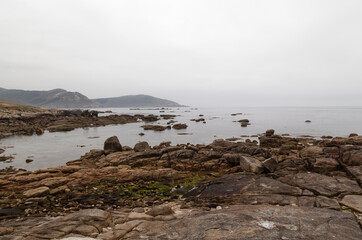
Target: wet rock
[
  {"x": 198, "y": 120},
  {"x": 353, "y": 201},
  {"x": 179, "y": 126},
  {"x": 28, "y": 160},
  {"x": 273, "y": 141},
  {"x": 141, "y": 147},
  {"x": 1, "y": 150},
  {"x": 250, "y": 164},
  {"x": 37, "y": 192},
  {"x": 160, "y": 210},
  {"x": 141, "y": 134},
  {"x": 112, "y": 144},
  {"x": 150, "y": 118},
  {"x": 269, "y": 132},
  {"x": 155, "y": 127},
  {"x": 308, "y": 121},
  {"x": 353, "y": 135},
  {"x": 244, "y": 121}
]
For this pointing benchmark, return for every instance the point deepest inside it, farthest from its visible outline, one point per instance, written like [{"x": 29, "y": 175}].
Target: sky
[{"x": 203, "y": 53}]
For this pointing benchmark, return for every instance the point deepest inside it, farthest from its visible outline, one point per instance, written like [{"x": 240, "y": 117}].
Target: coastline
[{"x": 283, "y": 174}]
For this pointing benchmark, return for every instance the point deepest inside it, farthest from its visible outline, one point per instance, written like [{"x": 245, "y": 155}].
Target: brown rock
[
  {"x": 269, "y": 132},
  {"x": 160, "y": 210},
  {"x": 179, "y": 126},
  {"x": 141, "y": 147},
  {"x": 37, "y": 192},
  {"x": 112, "y": 144},
  {"x": 353, "y": 201},
  {"x": 270, "y": 164},
  {"x": 325, "y": 165},
  {"x": 250, "y": 164}
]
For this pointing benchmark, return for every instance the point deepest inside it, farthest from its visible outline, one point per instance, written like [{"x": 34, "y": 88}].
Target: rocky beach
[{"x": 278, "y": 187}]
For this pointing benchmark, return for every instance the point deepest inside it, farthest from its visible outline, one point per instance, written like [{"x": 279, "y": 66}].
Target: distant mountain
[
  {"x": 60, "y": 98},
  {"x": 56, "y": 98},
  {"x": 136, "y": 101}
]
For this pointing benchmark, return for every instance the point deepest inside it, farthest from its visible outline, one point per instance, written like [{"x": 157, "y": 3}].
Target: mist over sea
[{"x": 54, "y": 149}]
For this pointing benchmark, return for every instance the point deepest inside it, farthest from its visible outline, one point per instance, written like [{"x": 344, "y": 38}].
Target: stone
[
  {"x": 250, "y": 164},
  {"x": 269, "y": 132},
  {"x": 325, "y": 165},
  {"x": 353, "y": 157},
  {"x": 155, "y": 127},
  {"x": 36, "y": 192},
  {"x": 179, "y": 126},
  {"x": 322, "y": 184},
  {"x": 160, "y": 210},
  {"x": 112, "y": 144},
  {"x": 6, "y": 230},
  {"x": 324, "y": 202},
  {"x": 312, "y": 151},
  {"x": 353, "y": 135},
  {"x": 353, "y": 201},
  {"x": 270, "y": 164},
  {"x": 254, "y": 222},
  {"x": 141, "y": 147},
  {"x": 356, "y": 171}
]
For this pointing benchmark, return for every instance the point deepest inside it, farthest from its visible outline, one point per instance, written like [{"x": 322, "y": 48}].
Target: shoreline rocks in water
[
  {"x": 26, "y": 120},
  {"x": 285, "y": 187}
]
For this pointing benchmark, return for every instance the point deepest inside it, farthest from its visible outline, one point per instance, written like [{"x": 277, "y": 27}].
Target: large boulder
[
  {"x": 112, "y": 144},
  {"x": 353, "y": 157},
  {"x": 141, "y": 147}
]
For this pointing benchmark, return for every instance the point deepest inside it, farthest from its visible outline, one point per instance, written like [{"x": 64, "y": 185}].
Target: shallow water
[{"x": 54, "y": 149}]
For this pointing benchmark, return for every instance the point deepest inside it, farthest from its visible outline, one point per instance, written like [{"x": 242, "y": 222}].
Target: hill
[
  {"x": 136, "y": 101},
  {"x": 56, "y": 98},
  {"x": 60, "y": 98}
]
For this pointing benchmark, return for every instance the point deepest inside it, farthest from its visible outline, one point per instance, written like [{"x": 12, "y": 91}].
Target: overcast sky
[{"x": 199, "y": 53}]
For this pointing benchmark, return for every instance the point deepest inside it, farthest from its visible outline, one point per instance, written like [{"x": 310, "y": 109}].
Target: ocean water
[{"x": 55, "y": 149}]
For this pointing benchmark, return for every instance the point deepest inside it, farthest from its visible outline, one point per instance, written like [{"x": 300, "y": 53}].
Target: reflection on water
[{"x": 54, "y": 149}]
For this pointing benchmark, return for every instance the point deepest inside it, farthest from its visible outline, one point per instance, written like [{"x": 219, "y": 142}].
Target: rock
[
  {"x": 198, "y": 120},
  {"x": 255, "y": 222},
  {"x": 322, "y": 184},
  {"x": 155, "y": 127},
  {"x": 112, "y": 144},
  {"x": 179, "y": 126},
  {"x": 308, "y": 121},
  {"x": 356, "y": 171},
  {"x": 29, "y": 160},
  {"x": 353, "y": 135},
  {"x": 250, "y": 164},
  {"x": 244, "y": 124},
  {"x": 160, "y": 210},
  {"x": 270, "y": 164},
  {"x": 352, "y": 157},
  {"x": 150, "y": 118},
  {"x": 141, "y": 134},
  {"x": 312, "y": 151},
  {"x": 1, "y": 150},
  {"x": 324, "y": 202},
  {"x": 353, "y": 201},
  {"x": 139, "y": 216},
  {"x": 325, "y": 165},
  {"x": 269, "y": 132},
  {"x": 37, "y": 192},
  {"x": 6, "y": 230},
  {"x": 141, "y": 147},
  {"x": 244, "y": 121}
]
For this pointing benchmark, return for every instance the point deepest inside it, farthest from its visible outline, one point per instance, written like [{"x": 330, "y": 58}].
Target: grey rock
[{"x": 112, "y": 144}]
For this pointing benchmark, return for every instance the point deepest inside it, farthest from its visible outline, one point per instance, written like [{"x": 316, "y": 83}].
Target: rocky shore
[
  {"x": 28, "y": 120},
  {"x": 279, "y": 188}
]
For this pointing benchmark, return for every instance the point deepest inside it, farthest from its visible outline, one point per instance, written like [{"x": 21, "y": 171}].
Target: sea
[{"x": 57, "y": 148}]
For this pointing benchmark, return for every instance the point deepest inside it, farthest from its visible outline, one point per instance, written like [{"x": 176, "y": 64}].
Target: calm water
[{"x": 54, "y": 149}]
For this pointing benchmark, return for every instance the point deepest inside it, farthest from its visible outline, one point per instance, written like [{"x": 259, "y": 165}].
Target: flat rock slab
[
  {"x": 353, "y": 201},
  {"x": 255, "y": 223},
  {"x": 322, "y": 184},
  {"x": 234, "y": 186}
]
